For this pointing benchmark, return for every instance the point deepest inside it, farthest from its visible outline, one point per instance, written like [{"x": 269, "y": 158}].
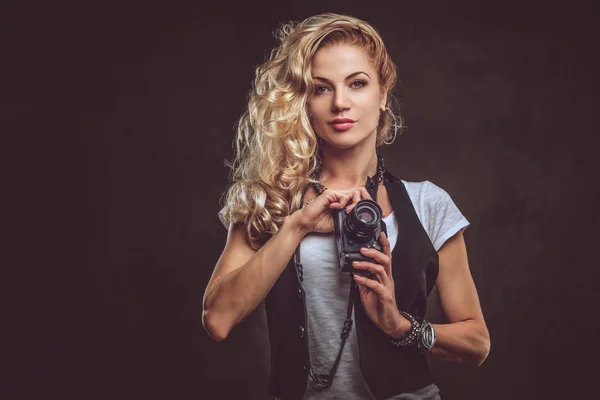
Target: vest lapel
[{"x": 408, "y": 257}]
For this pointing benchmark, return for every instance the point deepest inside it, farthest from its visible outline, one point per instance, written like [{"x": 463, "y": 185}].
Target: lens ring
[
  {"x": 363, "y": 220},
  {"x": 370, "y": 208}
]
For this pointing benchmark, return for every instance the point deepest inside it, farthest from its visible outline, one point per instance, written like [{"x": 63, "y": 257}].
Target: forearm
[
  {"x": 467, "y": 342},
  {"x": 235, "y": 295}
]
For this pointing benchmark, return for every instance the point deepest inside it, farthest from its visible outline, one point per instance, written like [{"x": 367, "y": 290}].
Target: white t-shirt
[{"x": 327, "y": 293}]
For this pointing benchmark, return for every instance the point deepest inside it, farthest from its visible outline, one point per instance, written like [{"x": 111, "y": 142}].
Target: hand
[
  {"x": 364, "y": 194},
  {"x": 378, "y": 295},
  {"x": 317, "y": 216}
]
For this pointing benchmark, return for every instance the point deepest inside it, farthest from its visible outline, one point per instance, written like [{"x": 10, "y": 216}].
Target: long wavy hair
[{"x": 276, "y": 149}]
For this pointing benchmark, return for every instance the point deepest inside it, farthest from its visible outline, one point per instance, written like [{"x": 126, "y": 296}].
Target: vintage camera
[{"x": 361, "y": 227}]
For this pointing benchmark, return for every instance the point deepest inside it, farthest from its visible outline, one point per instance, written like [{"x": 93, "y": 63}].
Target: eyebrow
[{"x": 348, "y": 77}]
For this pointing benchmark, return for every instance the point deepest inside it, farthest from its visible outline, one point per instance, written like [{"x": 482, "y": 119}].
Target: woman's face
[{"x": 347, "y": 97}]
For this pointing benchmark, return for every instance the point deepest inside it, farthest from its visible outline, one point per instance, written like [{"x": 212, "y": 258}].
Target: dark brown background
[{"x": 120, "y": 117}]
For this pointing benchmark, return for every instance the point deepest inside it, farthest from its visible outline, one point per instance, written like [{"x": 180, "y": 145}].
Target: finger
[
  {"x": 356, "y": 196},
  {"x": 371, "y": 284},
  {"x": 364, "y": 193},
  {"x": 363, "y": 289},
  {"x": 336, "y": 199},
  {"x": 379, "y": 258},
  {"x": 376, "y": 269},
  {"x": 343, "y": 200}
]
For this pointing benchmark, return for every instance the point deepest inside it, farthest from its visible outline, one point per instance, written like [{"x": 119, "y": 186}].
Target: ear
[{"x": 384, "y": 95}]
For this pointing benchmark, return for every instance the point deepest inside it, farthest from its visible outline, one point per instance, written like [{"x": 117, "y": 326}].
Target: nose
[{"x": 340, "y": 102}]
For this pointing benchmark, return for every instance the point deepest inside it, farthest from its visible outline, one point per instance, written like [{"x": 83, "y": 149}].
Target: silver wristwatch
[
  {"x": 421, "y": 335},
  {"x": 427, "y": 337}
]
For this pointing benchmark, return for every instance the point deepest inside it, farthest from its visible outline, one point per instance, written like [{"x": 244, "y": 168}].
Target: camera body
[{"x": 359, "y": 228}]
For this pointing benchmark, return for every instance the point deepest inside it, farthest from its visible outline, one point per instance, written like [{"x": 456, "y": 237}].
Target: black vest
[{"x": 388, "y": 370}]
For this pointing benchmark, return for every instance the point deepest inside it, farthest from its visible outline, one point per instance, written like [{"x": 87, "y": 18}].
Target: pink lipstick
[{"x": 342, "y": 124}]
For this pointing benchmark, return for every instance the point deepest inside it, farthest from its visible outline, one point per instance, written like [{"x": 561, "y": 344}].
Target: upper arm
[
  {"x": 458, "y": 295},
  {"x": 236, "y": 253}
]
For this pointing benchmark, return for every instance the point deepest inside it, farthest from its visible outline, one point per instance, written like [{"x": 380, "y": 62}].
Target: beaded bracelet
[{"x": 413, "y": 334}]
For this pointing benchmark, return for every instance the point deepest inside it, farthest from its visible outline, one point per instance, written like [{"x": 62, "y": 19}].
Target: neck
[{"x": 347, "y": 168}]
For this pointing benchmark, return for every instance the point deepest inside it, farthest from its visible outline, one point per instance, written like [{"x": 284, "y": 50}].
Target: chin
[
  {"x": 342, "y": 144},
  {"x": 344, "y": 140}
]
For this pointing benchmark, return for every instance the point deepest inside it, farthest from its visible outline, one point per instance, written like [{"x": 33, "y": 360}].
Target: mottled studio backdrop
[{"x": 120, "y": 118}]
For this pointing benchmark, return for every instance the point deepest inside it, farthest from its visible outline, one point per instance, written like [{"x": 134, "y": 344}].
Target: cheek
[
  {"x": 370, "y": 111},
  {"x": 316, "y": 113},
  {"x": 314, "y": 118},
  {"x": 369, "y": 100}
]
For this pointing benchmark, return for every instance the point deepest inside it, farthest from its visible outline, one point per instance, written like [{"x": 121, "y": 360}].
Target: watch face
[{"x": 427, "y": 336}]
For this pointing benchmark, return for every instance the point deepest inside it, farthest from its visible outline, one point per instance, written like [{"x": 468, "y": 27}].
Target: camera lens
[
  {"x": 363, "y": 220},
  {"x": 366, "y": 215}
]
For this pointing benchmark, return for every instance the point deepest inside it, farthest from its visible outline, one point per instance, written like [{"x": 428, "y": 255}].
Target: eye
[
  {"x": 358, "y": 84},
  {"x": 321, "y": 89}
]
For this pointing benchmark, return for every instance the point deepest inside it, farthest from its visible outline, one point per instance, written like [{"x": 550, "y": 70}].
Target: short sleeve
[
  {"x": 438, "y": 214},
  {"x": 444, "y": 217}
]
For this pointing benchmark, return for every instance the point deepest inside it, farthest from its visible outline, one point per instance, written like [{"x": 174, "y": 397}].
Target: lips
[{"x": 342, "y": 124}]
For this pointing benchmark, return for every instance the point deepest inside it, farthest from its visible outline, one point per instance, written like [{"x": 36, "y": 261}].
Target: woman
[{"x": 306, "y": 148}]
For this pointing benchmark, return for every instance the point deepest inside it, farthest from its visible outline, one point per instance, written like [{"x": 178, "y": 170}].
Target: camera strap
[
  {"x": 327, "y": 379},
  {"x": 371, "y": 185}
]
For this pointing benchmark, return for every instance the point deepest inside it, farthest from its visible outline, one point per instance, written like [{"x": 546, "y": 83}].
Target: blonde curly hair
[{"x": 276, "y": 149}]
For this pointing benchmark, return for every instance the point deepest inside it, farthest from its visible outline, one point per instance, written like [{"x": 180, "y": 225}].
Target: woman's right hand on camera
[{"x": 317, "y": 216}]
